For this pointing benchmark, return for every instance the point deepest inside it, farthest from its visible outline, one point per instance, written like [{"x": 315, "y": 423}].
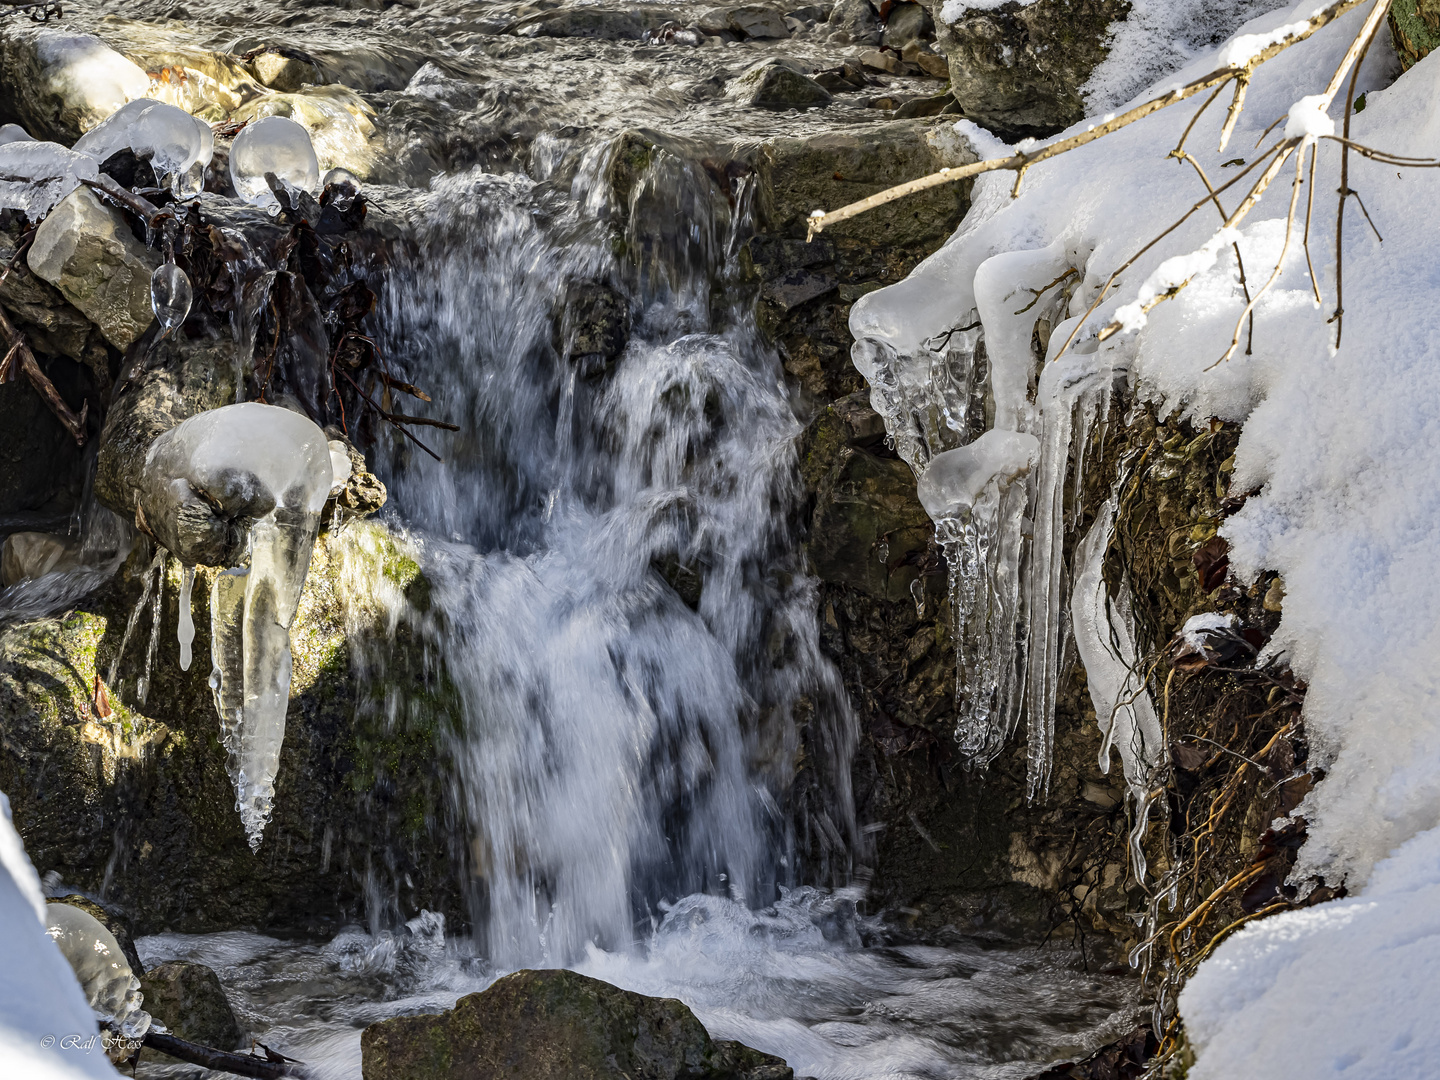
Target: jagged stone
[
  {"x": 1415, "y": 29},
  {"x": 87, "y": 251},
  {"x": 558, "y": 1025}
]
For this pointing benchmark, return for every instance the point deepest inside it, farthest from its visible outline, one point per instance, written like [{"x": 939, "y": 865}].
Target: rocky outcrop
[
  {"x": 1017, "y": 69},
  {"x": 558, "y": 1025},
  {"x": 58, "y": 84},
  {"x": 776, "y": 86}
]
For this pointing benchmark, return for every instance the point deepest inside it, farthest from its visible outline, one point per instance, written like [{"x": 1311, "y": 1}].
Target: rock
[
  {"x": 285, "y": 70},
  {"x": 758, "y": 22},
  {"x": 593, "y": 326},
  {"x": 775, "y": 86},
  {"x": 932, "y": 64},
  {"x": 189, "y": 1000},
  {"x": 876, "y": 60},
  {"x": 1415, "y": 29},
  {"x": 907, "y": 24},
  {"x": 558, "y": 1025},
  {"x": 87, "y": 251},
  {"x": 110, "y": 918},
  {"x": 587, "y": 22},
  {"x": 361, "y": 495},
  {"x": 40, "y": 465},
  {"x": 50, "y": 323},
  {"x": 848, "y": 77},
  {"x": 29, "y": 555},
  {"x": 926, "y": 106},
  {"x": 857, "y": 19},
  {"x": 59, "y": 85},
  {"x": 1018, "y": 70}
]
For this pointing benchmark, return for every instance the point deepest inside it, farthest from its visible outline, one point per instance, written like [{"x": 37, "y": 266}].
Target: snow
[
  {"x": 1198, "y": 629},
  {"x": 1309, "y": 119},
  {"x": 1171, "y": 275},
  {"x": 274, "y": 466},
  {"x": 954, "y": 10},
  {"x": 1344, "y": 450},
  {"x": 13, "y": 133},
  {"x": 40, "y": 1000},
  {"x": 274, "y": 144},
  {"x": 34, "y": 176}
]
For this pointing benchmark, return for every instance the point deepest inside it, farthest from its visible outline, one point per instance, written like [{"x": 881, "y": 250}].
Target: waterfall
[{"x": 620, "y": 604}]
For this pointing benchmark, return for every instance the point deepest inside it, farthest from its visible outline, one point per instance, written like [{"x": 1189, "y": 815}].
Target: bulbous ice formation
[
  {"x": 271, "y": 470},
  {"x": 274, "y": 144},
  {"x": 170, "y": 296},
  {"x": 109, "y": 985},
  {"x": 171, "y": 139},
  {"x": 34, "y": 176},
  {"x": 956, "y": 478}
]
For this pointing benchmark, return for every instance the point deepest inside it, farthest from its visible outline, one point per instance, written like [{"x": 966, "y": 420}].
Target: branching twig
[
  {"x": 18, "y": 354},
  {"x": 1023, "y": 160},
  {"x": 251, "y": 1065},
  {"x": 389, "y": 418}
]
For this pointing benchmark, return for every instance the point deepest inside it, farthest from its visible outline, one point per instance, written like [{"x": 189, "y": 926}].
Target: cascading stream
[{"x": 618, "y": 745}]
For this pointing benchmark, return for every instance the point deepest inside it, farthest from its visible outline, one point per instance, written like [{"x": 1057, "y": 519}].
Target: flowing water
[{"x": 618, "y": 596}]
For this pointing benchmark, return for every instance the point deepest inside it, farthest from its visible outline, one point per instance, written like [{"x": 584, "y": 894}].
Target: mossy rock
[
  {"x": 1415, "y": 29},
  {"x": 558, "y": 1025},
  {"x": 189, "y": 1000},
  {"x": 144, "y": 790}
]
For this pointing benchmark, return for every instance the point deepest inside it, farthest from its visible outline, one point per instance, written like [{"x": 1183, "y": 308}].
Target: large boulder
[
  {"x": 856, "y": 21},
  {"x": 557, "y": 1025},
  {"x": 775, "y": 86},
  {"x": 1017, "y": 69},
  {"x": 87, "y": 251},
  {"x": 58, "y": 84}
]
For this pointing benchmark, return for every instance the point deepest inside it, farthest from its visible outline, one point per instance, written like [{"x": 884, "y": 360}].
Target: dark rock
[
  {"x": 604, "y": 24},
  {"x": 1018, "y": 70},
  {"x": 189, "y": 1000},
  {"x": 1415, "y": 29},
  {"x": 907, "y": 24},
  {"x": 557, "y": 1025},
  {"x": 113, "y": 920},
  {"x": 858, "y": 20},
  {"x": 926, "y": 106},
  {"x": 797, "y": 287},
  {"x": 595, "y": 322},
  {"x": 775, "y": 86}
]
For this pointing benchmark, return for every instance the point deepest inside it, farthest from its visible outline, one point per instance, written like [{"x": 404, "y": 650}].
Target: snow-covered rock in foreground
[
  {"x": 271, "y": 468},
  {"x": 43, "y": 1012},
  {"x": 1343, "y": 447}
]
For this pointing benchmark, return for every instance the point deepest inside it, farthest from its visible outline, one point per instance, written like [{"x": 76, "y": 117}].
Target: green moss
[{"x": 1415, "y": 29}]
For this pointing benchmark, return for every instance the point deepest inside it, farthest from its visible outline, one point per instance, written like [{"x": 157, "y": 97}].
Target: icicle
[
  {"x": 227, "y": 620},
  {"x": 917, "y": 593},
  {"x": 185, "y": 632}
]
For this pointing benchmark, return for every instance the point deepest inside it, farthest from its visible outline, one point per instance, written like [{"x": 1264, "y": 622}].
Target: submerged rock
[
  {"x": 87, "y": 251},
  {"x": 558, "y": 1025},
  {"x": 775, "y": 86},
  {"x": 60, "y": 85}
]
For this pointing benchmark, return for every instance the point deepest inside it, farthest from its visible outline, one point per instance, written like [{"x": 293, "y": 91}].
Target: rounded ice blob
[
  {"x": 172, "y": 140},
  {"x": 276, "y": 145},
  {"x": 104, "y": 974}
]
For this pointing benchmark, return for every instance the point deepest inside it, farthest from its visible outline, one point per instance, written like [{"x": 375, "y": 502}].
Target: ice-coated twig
[{"x": 1022, "y": 160}]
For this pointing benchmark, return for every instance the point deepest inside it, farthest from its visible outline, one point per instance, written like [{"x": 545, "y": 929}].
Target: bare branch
[{"x": 1023, "y": 160}]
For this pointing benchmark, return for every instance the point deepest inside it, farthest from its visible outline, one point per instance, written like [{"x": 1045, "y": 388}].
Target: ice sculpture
[
  {"x": 170, "y": 297},
  {"x": 274, "y": 145},
  {"x": 101, "y": 968},
  {"x": 173, "y": 141},
  {"x": 34, "y": 176},
  {"x": 271, "y": 469}
]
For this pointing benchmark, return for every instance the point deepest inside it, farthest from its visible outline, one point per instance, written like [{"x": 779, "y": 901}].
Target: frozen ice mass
[{"x": 273, "y": 145}]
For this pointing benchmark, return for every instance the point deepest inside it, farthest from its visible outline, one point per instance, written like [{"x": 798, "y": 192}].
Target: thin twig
[
  {"x": 1309, "y": 212},
  {"x": 19, "y": 353},
  {"x": 387, "y": 417}
]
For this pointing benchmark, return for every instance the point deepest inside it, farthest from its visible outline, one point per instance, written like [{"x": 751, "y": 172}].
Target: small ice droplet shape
[
  {"x": 34, "y": 176},
  {"x": 276, "y": 145},
  {"x": 170, "y": 297},
  {"x": 169, "y": 137},
  {"x": 346, "y": 187}
]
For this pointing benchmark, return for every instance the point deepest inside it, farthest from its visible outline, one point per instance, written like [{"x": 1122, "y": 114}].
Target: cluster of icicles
[
  {"x": 275, "y": 468},
  {"x": 998, "y": 501}
]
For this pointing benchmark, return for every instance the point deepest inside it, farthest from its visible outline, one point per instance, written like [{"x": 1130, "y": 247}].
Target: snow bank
[
  {"x": 40, "y": 1001},
  {"x": 1345, "y": 448}
]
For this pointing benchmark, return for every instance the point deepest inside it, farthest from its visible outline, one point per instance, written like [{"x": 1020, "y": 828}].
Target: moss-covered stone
[
  {"x": 189, "y": 1000},
  {"x": 558, "y": 1025},
  {"x": 139, "y": 803},
  {"x": 1415, "y": 29}
]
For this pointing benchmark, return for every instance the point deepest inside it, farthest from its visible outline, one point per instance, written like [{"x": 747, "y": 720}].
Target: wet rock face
[
  {"x": 188, "y": 999},
  {"x": 142, "y": 788},
  {"x": 557, "y": 1025},
  {"x": 1018, "y": 70},
  {"x": 775, "y": 86}
]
